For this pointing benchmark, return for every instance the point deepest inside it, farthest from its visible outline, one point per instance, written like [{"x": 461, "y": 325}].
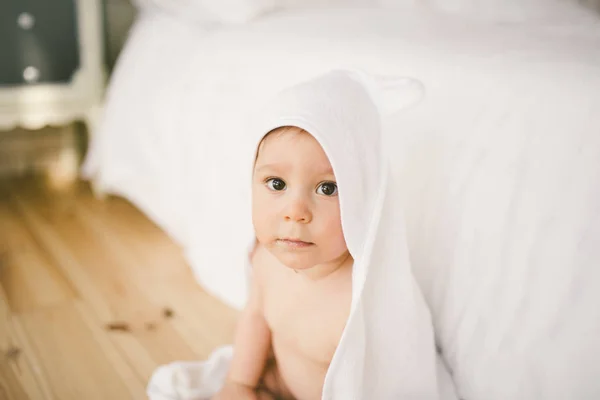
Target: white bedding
[{"x": 500, "y": 168}]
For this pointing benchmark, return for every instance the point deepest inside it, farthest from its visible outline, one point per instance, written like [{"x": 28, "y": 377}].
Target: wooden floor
[{"x": 93, "y": 297}]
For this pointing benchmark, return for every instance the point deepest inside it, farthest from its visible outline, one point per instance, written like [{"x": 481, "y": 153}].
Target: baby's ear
[{"x": 392, "y": 93}]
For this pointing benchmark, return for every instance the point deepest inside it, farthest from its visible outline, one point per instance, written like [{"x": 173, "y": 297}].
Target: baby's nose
[{"x": 298, "y": 210}]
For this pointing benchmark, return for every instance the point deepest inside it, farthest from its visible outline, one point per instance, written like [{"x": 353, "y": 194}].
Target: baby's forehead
[
  {"x": 289, "y": 146},
  {"x": 285, "y": 139}
]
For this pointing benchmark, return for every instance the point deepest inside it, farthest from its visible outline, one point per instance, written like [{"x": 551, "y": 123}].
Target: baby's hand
[{"x": 235, "y": 391}]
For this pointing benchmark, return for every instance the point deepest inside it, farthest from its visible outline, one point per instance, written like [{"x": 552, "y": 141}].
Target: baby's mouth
[{"x": 294, "y": 243}]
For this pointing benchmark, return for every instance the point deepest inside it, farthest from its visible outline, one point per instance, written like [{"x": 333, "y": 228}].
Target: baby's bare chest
[{"x": 307, "y": 321}]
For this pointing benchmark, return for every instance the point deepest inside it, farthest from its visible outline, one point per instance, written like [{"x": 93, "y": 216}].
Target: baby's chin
[{"x": 298, "y": 261}]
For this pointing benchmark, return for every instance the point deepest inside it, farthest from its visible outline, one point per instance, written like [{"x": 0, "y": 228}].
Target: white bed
[{"x": 500, "y": 168}]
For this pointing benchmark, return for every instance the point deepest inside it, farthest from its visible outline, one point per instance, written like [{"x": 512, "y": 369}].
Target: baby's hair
[
  {"x": 283, "y": 129},
  {"x": 277, "y": 131}
]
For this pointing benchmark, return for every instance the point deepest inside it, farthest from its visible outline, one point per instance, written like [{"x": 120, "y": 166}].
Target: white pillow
[
  {"x": 512, "y": 11},
  {"x": 505, "y": 11},
  {"x": 291, "y": 4},
  {"x": 212, "y": 11}
]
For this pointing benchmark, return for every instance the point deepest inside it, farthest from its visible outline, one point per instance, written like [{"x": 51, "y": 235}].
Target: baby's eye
[
  {"x": 327, "y": 189},
  {"x": 275, "y": 184}
]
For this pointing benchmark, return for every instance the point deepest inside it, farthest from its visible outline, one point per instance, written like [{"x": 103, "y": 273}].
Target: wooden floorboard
[
  {"x": 75, "y": 364},
  {"x": 94, "y": 297},
  {"x": 29, "y": 278},
  {"x": 19, "y": 376}
]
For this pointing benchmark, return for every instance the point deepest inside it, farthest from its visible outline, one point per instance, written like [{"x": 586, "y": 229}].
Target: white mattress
[{"x": 500, "y": 167}]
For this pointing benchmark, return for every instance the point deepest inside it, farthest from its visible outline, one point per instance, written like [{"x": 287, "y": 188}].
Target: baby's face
[{"x": 295, "y": 207}]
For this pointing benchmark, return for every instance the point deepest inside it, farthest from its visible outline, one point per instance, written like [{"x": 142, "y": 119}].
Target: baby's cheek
[
  {"x": 335, "y": 235},
  {"x": 260, "y": 225},
  {"x": 258, "y": 222},
  {"x": 264, "y": 226}
]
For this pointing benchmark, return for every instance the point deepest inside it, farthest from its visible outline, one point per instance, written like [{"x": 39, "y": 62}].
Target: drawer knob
[
  {"x": 26, "y": 20},
  {"x": 31, "y": 74}
]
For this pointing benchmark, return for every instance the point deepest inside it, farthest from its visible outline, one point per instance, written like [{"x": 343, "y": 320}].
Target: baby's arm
[{"x": 252, "y": 339}]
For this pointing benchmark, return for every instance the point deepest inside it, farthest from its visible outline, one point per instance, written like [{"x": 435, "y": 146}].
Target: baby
[
  {"x": 334, "y": 311},
  {"x": 301, "y": 274}
]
